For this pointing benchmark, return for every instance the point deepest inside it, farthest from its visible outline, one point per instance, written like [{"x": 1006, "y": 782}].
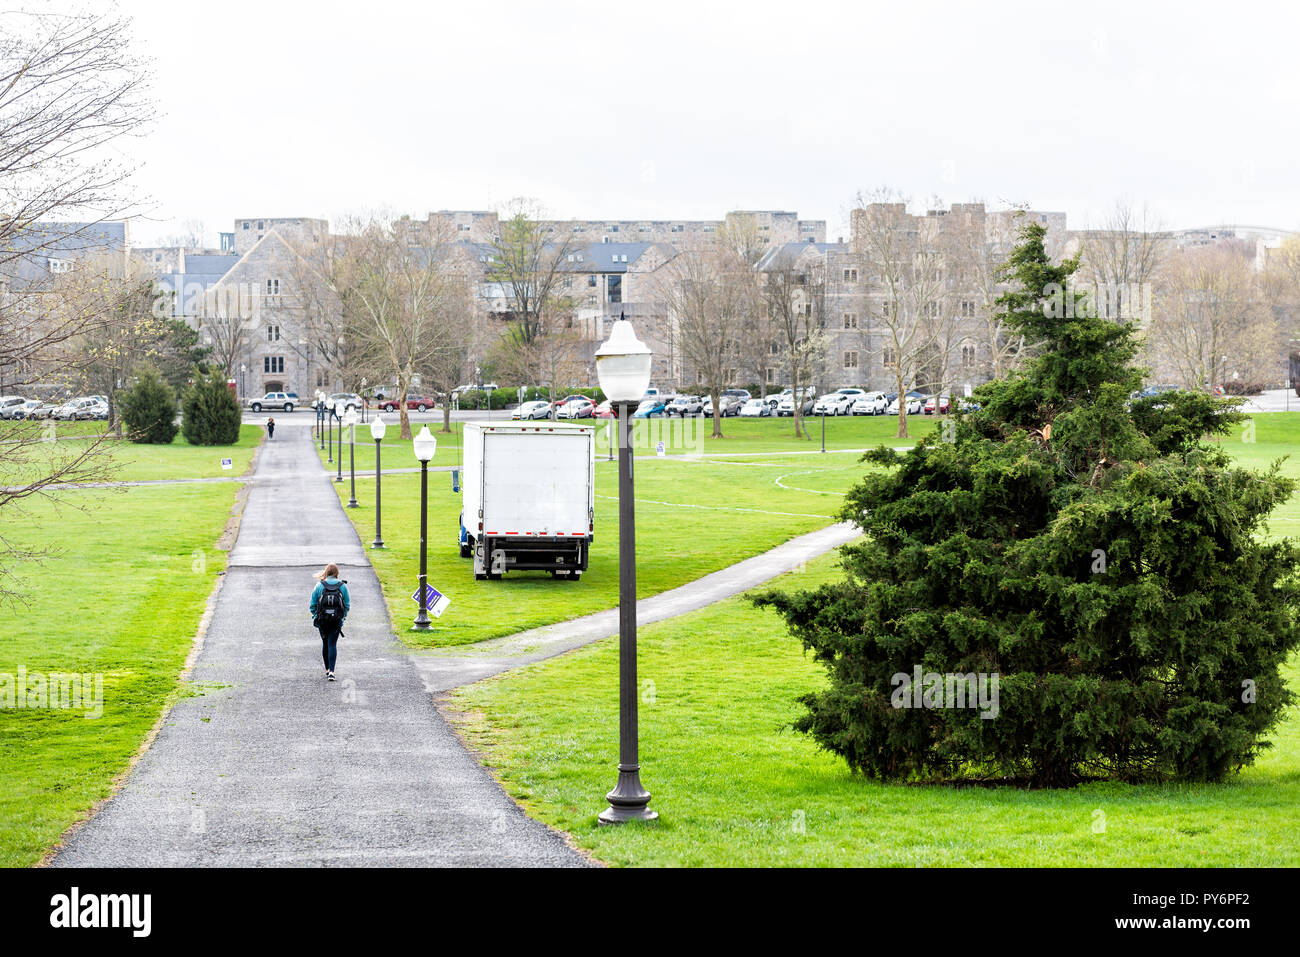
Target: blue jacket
[{"x": 320, "y": 589}]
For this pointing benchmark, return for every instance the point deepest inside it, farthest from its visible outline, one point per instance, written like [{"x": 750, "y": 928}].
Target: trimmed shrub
[
  {"x": 149, "y": 409},
  {"x": 210, "y": 414}
]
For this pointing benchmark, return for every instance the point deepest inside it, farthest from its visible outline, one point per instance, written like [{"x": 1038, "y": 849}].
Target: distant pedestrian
[
  {"x": 330, "y": 605},
  {"x": 270, "y": 428}
]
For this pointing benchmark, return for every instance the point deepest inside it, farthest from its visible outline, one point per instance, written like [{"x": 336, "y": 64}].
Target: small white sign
[
  {"x": 227, "y": 464},
  {"x": 659, "y": 449}
]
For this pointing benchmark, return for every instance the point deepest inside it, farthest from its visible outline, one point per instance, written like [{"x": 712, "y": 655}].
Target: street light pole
[
  {"x": 338, "y": 414},
  {"x": 425, "y": 445},
  {"x": 352, "y": 461},
  {"x": 623, "y": 366},
  {"x": 377, "y": 429}
]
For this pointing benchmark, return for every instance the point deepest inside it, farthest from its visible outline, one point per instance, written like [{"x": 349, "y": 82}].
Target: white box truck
[{"x": 529, "y": 498}]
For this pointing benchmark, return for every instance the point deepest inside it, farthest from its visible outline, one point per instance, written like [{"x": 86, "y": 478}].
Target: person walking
[
  {"x": 330, "y": 605},
  {"x": 270, "y": 428}
]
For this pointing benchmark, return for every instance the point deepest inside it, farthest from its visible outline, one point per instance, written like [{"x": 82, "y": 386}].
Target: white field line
[
  {"x": 814, "y": 491},
  {"x": 720, "y": 508}
]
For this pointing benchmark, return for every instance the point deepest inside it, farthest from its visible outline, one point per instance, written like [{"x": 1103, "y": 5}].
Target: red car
[
  {"x": 943, "y": 403},
  {"x": 414, "y": 403}
]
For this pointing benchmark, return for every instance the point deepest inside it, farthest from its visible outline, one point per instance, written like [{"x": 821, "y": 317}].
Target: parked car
[
  {"x": 414, "y": 403},
  {"x": 728, "y": 405},
  {"x": 872, "y": 403},
  {"x": 834, "y": 403},
  {"x": 603, "y": 411},
  {"x": 756, "y": 407},
  {"x": 685, "y": 405},
  {"x": 30, "y": 409},
  {"x": 649, "y": 407},
  {"x": 914, "y": 402},
  {"x": 741, "y": 394},
  {"x": 786, "y": 405},
  {"x": 9, "y": 404},
  {"x": 536, "y": 409},
  {"x": 273, "y": 400},
  {"x": 579, "y": 408},
  {"x": 940, "y": 403}
]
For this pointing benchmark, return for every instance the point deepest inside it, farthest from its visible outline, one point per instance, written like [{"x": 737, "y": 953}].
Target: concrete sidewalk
[
  {"x": 445, "y": 669},
  {"x": 272, "y": 765}
]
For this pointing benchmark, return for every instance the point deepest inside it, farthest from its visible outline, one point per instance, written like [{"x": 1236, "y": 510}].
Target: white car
[
  {"x": 871, "y": 403},
  {"x": 755, "y": 407},
  {"x": 834, "y": 403},
  {"x": 532, "y": 410},
  {"x": 576, "y": 409},
  {"x": 914, "y": 404}
]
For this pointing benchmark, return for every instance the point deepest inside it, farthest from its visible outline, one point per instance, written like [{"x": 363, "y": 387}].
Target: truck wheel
[
  {"x": 494, "y": 576},
  {"x": 465, "y": 551},
  {"x": 256, "y": 407},
  {"x": 288, "y": 407},
  {"x": 479, "y": 576}
]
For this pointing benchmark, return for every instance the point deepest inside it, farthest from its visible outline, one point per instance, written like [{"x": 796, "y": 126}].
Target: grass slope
[
  {"x": 123, "y": 598},
  {"x": 734, "y": 786}
]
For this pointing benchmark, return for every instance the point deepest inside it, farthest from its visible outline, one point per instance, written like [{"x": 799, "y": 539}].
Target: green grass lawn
[
  {"x": 122, "y": 598},
  {"x": 136, "y": 463},
  {"x": 735, "y": 786},
  {"x": 693, "y": 517}
]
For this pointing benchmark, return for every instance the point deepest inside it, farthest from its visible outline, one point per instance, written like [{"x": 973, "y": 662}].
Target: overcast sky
[{"x": 671, "y": 109}]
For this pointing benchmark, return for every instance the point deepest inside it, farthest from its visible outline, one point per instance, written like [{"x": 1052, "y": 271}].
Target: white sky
[{"x": 671, "y": 109}]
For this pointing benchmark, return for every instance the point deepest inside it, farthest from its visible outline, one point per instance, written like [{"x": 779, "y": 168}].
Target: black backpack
[{"x": 329, "y": 610}]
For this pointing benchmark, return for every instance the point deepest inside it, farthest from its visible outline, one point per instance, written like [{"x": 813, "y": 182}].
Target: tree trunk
[
  {"x": 446, "y": 415},
  {"x": 717, "y": 413},
  {"x": 902, "y": 408}
]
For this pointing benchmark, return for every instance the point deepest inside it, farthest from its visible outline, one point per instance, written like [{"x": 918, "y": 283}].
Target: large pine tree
[{"x": 1099, "y": 556}]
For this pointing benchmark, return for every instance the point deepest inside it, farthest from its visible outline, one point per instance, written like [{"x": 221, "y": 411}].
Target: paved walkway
[{"x": 274, "y": 766}]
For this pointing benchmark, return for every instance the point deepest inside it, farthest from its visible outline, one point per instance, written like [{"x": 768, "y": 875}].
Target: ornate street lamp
[
  {"x": 623, "y": 368},
  {"x": 350, "y": 419},
  {"x": 377, "y": 429},
  {"x": 425, "y": 446},
  {"x": 338, "y": 414}
]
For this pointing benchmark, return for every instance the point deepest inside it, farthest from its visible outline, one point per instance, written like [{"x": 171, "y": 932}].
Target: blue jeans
[{"x": 329, "y": 640}]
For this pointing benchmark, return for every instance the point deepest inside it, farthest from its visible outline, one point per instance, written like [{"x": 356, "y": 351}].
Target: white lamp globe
[
  {"x": 623, "y": 364},
  {"x": 350, "y": 417},
  {"x": 377, "y": 428},
  {"x": 338, "y": 407},
  {"x": 425, "y": 445}
]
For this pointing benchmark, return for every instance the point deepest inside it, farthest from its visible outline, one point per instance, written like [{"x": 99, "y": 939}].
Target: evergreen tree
[
  {"x": 149, "y": 409},
  {"x": 1101, "y": 558},
  {"x": 210, "y": 414}
]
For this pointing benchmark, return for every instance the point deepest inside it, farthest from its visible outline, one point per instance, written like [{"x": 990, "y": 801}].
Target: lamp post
[
  {"x": 425, "y": 445},
  {"x": 338, "y": 415},
  {"x": 623, "y": 367},
  {"x": 377, "y": 429},
  {"x": 351, "y": 420}
]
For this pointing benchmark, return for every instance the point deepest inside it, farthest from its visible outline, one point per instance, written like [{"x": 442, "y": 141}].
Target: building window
[
  {"x": 771, "y": 374},
  {"x": 261, "y": 224},
  {"x": 850, "y": 275},
  {"x": 273, "y": 287},
  {"x": 591, "y": 282},
  {"x": 613, "y": 229},
  {"x": 932, "y": 309},
  {"x": 888, "y": 357},
  {"x": 272, "y": 364},
  {"x": 967, "y": 309},
  {"x": 246, "y": 224},
  {"x": 773, "y": 348},
  {"x": 272, "y": 333},
  {"x": 967, "y": 356},
  {"x": 850, "y": 360},
  {"x": 60, "y": 265},
  {"x": 614, "y": 288},
  {"x": 850, "y": 320},
  {"x": 320, "y": 378}
]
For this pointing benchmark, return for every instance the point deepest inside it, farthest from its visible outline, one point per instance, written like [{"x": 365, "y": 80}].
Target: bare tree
[
  {"x": 528, "y": 263},
  {"x": 70, "y": 88},
  {"x": 793, "y": 290},
  {"x": 1122, "y": 258},
  {"x": 1211, "y": 319},
  {"x": 709, "y": 293},
  {"x": 903, "y": 256},
  {"x": 403, "y": 303}
]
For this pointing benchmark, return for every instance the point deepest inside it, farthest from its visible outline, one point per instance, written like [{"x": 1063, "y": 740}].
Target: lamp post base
[
  {"x": 628, "y": 800},
  {"x": 378, "y": 543}
]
